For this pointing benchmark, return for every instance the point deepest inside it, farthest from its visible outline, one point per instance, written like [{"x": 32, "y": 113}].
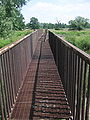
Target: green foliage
[
  {"x": 56, "y": 26},
  {"x": 71, "y": 39},
  {"x": 83, "y": 42},
  {"x": 4, "y": 23},
  {"x": 81, "y": 39},
  {"x": 79, "y": 23},
  {"x": 34, "y": 24},
  {"x": 10, "y": 4},
  {"x": 10, "y": 16},
  {"x": 47, "y": 25},
  {"x": 7, "y": 24},
  {"x": 15, "y": 35},
  {"x": 17, "y": 20}
]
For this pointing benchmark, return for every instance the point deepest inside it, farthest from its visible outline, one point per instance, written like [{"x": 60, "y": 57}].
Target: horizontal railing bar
[
  {"x": 15, "y": 59},
  {"x": 11, "y": 45},
  {"x": 74, "y": 68},
  {"x": 78, "y": 51}
]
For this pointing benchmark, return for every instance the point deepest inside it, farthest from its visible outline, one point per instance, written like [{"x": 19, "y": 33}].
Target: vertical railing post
[
  {"x": 14, "y": 63},
  {"x": 74, "y": 69},
  {"x": 88, "y": 98},
  {"x": 2, "y": 95}
]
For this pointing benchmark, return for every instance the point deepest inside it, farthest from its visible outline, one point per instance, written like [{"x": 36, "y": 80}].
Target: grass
[
  {"x": 15, "y": 35},
  {"x": 81, "y": 39}
]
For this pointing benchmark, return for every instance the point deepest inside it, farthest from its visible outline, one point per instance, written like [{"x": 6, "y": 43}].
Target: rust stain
[{"x": 42, "y": 94}]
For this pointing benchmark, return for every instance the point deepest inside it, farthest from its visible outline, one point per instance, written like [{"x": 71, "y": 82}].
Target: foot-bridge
[{"x": 43, "y": 77}]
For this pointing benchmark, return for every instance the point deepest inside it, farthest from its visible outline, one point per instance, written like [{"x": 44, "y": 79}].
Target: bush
[
  {"x": 84, "y": 43},
  {"x": 71, "y": 39},
  {"x": 81, "y": 39},
  {"x": 15, "y": 35}
]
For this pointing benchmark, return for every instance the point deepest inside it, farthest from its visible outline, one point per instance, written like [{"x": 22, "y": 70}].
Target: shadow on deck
[
  {"x": 42, "y": 95},
  {"x": 43, "y": 78}
]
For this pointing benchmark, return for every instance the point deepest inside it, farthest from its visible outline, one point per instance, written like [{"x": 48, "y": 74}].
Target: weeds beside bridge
[{"x": 31, "y": 81}]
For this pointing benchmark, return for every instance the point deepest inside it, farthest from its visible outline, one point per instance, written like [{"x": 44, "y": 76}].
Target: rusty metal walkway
[{"x": 42, "y": 94}]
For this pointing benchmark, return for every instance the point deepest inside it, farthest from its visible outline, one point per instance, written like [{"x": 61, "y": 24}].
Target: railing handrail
[
  {"x": 74, "y": 68},
  {"x": 9, "y": 46},
  {"x": 15, "y": 59},
  {"x": 78, "y": 51}
]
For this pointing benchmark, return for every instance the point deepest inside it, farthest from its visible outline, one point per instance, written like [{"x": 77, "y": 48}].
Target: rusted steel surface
[
  {"x": 14, "y": 62},
  {"x": 42, "y": 94},
  {"x": 74, "y": 68},
  {"x": 23, "y": 103},
  {"x": 32, "y": 88},
  {"x": 49, "y": 99}
]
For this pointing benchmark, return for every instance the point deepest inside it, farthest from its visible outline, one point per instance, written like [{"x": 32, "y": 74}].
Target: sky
[{"x": 51, "y": 11}]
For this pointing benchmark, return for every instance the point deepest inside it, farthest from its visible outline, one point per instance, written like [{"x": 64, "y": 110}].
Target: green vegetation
[
  {"x": 79, "y": 23},
  {"x": 12, "y": 22},
  {"x": 15, "y": 35},
  {"x": 10, "y": 16},
  {"x": 34, "y": 24},
  {"x": 81, "y": 39}
]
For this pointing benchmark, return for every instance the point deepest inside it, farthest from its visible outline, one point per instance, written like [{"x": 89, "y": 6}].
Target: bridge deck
[{"x": 42, "y": 94}]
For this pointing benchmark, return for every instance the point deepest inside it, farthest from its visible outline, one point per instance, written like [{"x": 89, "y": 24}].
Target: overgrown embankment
[
  {"x": 81, "y": 39},
  {"x": 15, "y": 35}
]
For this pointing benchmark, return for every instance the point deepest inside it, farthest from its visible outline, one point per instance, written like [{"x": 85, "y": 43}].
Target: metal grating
[
  {"x": 22, "y": 107},
  {"x": 49, "y": 99},
  {"x": 42, "y": 94}
]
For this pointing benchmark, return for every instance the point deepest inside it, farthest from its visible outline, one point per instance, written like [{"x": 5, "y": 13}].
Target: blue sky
[{"x": 51, "y": 11}]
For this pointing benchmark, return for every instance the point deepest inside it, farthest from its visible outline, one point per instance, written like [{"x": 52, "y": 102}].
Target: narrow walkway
[{"x": 42, "y": 95}]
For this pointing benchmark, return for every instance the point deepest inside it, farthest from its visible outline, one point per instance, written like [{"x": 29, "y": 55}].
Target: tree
[
  {"x": 34, "y": 24},
  {"x": 79, "y": 23},
  {"x": 88, "y": 25},
  {"x": 50, "y": 26},
  {"x": 58, "y": 25},
  {"x": 10, "y": 5},
  {"x": 10, "y": 16},
  {"x": 46, "y": 25},
  {"x": 16, "y": 3},
  {"x": 17, "y": 20},
  {"x": 63, "y": 25},
  {"x": 4, "y": 23}
]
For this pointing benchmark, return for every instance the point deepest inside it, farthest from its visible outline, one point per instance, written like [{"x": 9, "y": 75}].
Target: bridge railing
[
  {"x": 74, "y": 68},
  {"x": 14, "y": 62}
]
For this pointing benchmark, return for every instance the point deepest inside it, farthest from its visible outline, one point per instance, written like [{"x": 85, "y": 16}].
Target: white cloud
[{"x": 49, "y": 12}]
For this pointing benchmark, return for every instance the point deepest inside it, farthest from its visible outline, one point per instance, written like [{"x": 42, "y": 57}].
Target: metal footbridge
[{"x": 43, "y": 77}]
